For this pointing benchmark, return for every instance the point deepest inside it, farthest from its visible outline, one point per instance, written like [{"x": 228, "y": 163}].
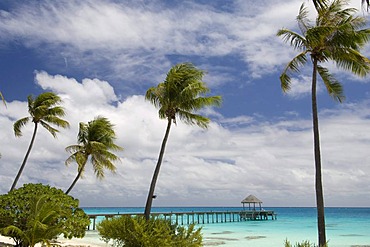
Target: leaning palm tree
[
  {"x": 44, "y": 110},
  {"x": 181, "y": 94},
  {"x": 336, "y": 35},
  {"x": 95, "y": 141}
]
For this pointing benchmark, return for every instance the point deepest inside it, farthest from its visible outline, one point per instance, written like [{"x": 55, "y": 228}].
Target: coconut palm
[
  {"x": 95, "y": 141},
  {"x": 335, "y": 36},
  {"x": 181, "y": 94},
  {"x": 44, "y": 110}
]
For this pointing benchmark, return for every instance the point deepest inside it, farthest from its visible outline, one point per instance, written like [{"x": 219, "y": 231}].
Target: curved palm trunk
[
  {"x": 25, "y": 158},
  {"x": 76, "y": 179},
  {"x": 318, "y": 177},
  {"x": 149, "y": 200}
]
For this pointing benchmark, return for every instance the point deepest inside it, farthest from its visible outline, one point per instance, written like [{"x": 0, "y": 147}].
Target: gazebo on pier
[
  {"x": 250, "y": 213},
  {"x": 251, "y": 199}
]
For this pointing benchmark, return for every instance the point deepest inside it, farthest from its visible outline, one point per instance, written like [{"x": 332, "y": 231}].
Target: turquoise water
[{"x": 345, "y": 227}]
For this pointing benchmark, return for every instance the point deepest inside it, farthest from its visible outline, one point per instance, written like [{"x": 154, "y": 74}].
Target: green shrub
[
  {"x": 39, "y": 213},
  {"x": 136, "y": 231},
  {"x": 303, "y": 244}
]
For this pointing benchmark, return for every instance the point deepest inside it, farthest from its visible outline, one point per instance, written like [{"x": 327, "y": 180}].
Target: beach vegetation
[
  {"x": 36, "y": 213},
  {"x": 44, "y": 110},
  {"x": 96, "y": 140},
  {"x": 335, "y": 36},
  {"x": 302, "y": 244},
  {"x": 42, "y": 224},
  {"x": 180, "y": 96},
  {"x": 137, "y": 231}
]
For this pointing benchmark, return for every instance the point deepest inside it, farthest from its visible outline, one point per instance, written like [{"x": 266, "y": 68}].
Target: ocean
[{"x": 345, "y": 227}]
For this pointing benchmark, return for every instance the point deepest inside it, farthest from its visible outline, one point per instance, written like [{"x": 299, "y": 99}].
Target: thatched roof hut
[{"x": 251, "y": 199}]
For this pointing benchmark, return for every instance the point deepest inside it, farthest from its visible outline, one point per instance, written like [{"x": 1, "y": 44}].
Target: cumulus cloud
[{"x": 218, "y": 166}]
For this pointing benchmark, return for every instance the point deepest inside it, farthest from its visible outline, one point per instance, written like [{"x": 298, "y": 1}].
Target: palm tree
[
  {"x": 44, "y": 110},
  {"x": 42, "y": 225},
  {"x": 335, "y": 36},
  {"x": 95, "y": 140},
  {"x": 180, "y": 95}
]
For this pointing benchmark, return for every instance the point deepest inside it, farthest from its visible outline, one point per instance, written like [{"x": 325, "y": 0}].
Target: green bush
[
  {"x": 303, "y": 244},
  {"x": 39, "y": 213},
  {"x": 136, "y": 231}
]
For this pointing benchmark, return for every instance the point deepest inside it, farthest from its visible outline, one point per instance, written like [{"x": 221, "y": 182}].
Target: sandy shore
[{"x": 76, "y": 242}]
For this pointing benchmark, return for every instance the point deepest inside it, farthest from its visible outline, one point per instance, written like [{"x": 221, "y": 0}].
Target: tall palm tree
[
  {"x": 334, "y": 36},
  {"x": 44, "y": 110},
  {"x": 95, "y": 140},
  {"x": 181, "y": 94}
]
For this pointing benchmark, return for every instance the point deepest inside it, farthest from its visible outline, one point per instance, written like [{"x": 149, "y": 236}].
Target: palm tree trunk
[
  {"x": 76, "y": 179},
  {"x": 318, "y": 177},
  {"x": 149, "y": 200},
  {"x": 25, "y": 158}
]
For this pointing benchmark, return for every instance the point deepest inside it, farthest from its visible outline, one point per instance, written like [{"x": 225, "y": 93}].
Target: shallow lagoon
[{"x": 345, "y": 227}]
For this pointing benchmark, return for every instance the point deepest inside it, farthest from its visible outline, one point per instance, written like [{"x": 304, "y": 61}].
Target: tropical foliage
[
  {"x": 181, "y": 94},
  {"x": 38, "y": 213},
  {"x": 303, "y": 244},
  {"x": 44, "y": 110},
  {"x": 96, "y": 140},
  {"x": 336, "y": 35},
  {"x": 42, "y": 224},
  {"x": 137, "y": 231}
]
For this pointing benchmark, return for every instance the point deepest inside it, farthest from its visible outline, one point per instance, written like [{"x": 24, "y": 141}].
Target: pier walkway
[{"x": 186, "y": 218}]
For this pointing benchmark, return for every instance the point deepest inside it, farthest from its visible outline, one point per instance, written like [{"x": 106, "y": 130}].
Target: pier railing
[{"x": 186, "y": 218}]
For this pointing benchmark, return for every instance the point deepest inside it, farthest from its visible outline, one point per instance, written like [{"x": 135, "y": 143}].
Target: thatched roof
[{"x": 251, "y": 199}]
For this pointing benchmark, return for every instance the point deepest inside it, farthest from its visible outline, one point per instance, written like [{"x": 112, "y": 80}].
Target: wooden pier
[{"x": 186, "y": 218}]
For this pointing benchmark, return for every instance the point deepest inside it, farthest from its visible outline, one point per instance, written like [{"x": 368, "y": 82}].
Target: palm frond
[
  {"x": 19, "y": 124},
  {"x": 51, "y": 130},
  {"x": 333, "y": 87},
  {"x": 353, "y": 61},
  {"x": 320, "y": 4},
  {"x": 57, "y": 111},
  {"x": 292, "y": 67},
  {"x": 48, "y": 99},
  {"x": 302, "y": 19},
  {"x": 101, "y": 163},
  {"x": 30, "y": 101},
  {"x": 194, "y": 119},
  {"x": 295, "y": 39},
  {"x": 74, "y": 148}
]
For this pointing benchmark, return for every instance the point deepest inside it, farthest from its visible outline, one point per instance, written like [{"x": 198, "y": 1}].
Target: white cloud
[
  {"x": 218, "y": 166},
  {"x": 136, "y": 39}
]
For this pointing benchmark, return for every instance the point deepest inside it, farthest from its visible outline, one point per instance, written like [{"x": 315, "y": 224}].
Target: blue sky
[{"x": 102, "y": 56}]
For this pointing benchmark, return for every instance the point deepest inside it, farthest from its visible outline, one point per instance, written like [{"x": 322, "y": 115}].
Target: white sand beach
[{"x": 91, "y": 239}]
